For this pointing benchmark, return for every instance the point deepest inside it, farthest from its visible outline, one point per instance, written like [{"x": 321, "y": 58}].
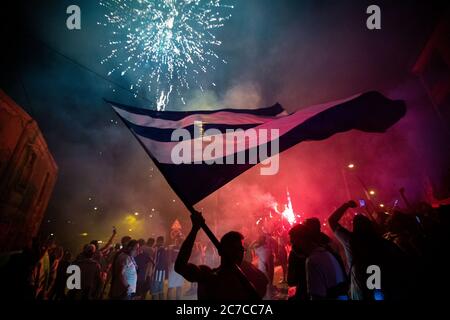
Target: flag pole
[{"x": 238, "y": 271}]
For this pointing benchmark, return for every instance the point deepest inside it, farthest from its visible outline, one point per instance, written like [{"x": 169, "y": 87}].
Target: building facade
[{"x": 27, "y": 176}]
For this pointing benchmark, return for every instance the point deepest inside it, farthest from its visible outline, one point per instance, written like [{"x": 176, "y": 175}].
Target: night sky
[{"x": 297, "y": 53}]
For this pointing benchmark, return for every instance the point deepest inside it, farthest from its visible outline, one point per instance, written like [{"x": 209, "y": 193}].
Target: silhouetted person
[
  {"x": 16, "y": 275},
  {"x": 55, "y": 255},
  {"x": 282, "y": 257},
  {"x": 58, "y": 289},
  {"x": 106, "y": 246},
  {"x": 265, "y": 252},
  {"x": 363, "y": 248},
  {"x": 160, "y": 272},
  {"x": 101, "y": 254},
  {"x": 41, "y": 272},
  {"x": 150, "y": 250},
  {"x": 91, "y": 281},
  {"x": 296, "y": 275},
  {"x": 124, "y": 273},
  {"x": 324, "y": 274},
  {"x": 175, "y": 280},
  {"x": 222, "y": 283},
  {"x": 144, "y": 262},
  {"x": 114, "y": 254}
]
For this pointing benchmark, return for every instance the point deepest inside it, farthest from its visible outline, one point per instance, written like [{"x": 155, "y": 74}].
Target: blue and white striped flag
[{"x": 200, "y": 151}]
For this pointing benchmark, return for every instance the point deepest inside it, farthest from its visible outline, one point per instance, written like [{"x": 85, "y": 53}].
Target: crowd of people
[
  {"x": 131, "y": 269},
  {"x": 407, "y": 249}
]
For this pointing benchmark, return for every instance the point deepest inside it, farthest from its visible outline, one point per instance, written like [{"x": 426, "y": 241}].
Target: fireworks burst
[{"x": 166, "y": 44}]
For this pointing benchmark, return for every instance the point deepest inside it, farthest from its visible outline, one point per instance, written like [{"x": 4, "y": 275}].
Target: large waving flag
[{"x": 195, "y": 178}]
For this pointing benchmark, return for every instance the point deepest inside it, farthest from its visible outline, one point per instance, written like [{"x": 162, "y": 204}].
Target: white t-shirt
[
  {"x": 322, "y": 272},
  {"x": 129, "y": 272},
  {"x": 343, "y": 236}
]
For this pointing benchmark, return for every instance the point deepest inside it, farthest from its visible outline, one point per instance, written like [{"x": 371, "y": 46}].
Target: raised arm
[
  {"x": 110, "y": 241},
  {"x": 189, "y": 271},
  {"x": 333, "y": 220}
]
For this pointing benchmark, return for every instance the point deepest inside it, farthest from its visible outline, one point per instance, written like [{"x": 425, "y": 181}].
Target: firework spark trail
[
  {"x": 166, "y": 44},
  {"x": 288, "y": 212}
]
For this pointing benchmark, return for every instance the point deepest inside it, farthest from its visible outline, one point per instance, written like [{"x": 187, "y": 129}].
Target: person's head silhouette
[
  {"x": 132, "y": 248},
  {"x": 304, "y": 239},
  {"x": 363, "y": 226},
  {"x": 232, "y": 248},
  {"x": 160, "y": 241}
]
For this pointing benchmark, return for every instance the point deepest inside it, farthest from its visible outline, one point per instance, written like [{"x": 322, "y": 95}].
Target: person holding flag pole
[{"x": 235, "y": 279}]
